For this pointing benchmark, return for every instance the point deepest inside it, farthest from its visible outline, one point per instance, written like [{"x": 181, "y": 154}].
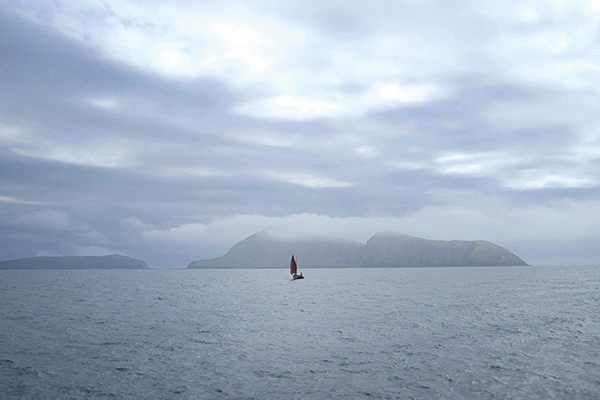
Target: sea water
[{"x": 422, "y": 333}]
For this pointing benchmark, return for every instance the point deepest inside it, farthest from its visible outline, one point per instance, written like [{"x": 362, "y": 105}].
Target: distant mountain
[
  {"x": 391, "y": 249},
  {"x": 385, "y": 249},
  {"x": 113, "y": 261}
]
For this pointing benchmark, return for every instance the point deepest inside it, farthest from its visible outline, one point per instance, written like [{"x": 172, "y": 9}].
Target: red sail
[{"x": 293, "y": 267}]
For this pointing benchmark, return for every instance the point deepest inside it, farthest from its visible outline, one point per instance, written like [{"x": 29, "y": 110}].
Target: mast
[{"x": 293, "y": 267}]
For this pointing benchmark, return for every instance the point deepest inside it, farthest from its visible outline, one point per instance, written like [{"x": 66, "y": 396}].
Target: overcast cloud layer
[{"x": 169, "y": 131}]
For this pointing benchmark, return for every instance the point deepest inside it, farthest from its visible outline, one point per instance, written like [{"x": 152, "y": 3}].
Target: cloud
[
  {"x": 51, "y": 219},
  {"x": 171, "y": 130},
  {"x": 303, "y": 179},
  {"x": 111, "y": 154},
  {"x": 4, "y": 199}
]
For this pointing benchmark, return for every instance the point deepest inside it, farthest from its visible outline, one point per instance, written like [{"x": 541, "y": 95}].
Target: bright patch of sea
[{"x": 433, "y": 333}]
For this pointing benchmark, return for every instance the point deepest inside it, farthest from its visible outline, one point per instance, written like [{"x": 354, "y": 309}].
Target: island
[
  {"x": 384, "y": 249},
  {"x": 113, "y": 261}
]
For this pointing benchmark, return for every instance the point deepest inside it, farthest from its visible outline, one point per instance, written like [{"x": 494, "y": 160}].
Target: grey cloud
[
  {"x": 97, "y": 142},
  {"x": 40, "y": 68}
]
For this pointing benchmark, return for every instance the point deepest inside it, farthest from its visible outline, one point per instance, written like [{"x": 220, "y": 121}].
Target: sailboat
[{"x": 294, "y": 270}]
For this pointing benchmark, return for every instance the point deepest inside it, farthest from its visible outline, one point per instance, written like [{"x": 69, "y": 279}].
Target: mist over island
[
  {"x": 384, "y": 249},
  {"x": 271, "y": 250},
  {"x": 113, "y": 261}
]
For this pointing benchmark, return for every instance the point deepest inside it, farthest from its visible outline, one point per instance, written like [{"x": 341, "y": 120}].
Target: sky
[{"x": 169, "y": 131}]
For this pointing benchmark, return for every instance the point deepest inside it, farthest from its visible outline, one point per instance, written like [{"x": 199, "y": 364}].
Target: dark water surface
[{"x": 436, "y": 333}]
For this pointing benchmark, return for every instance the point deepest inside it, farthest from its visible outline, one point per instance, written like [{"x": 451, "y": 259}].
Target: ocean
[{"x": 410, "y": 333}]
